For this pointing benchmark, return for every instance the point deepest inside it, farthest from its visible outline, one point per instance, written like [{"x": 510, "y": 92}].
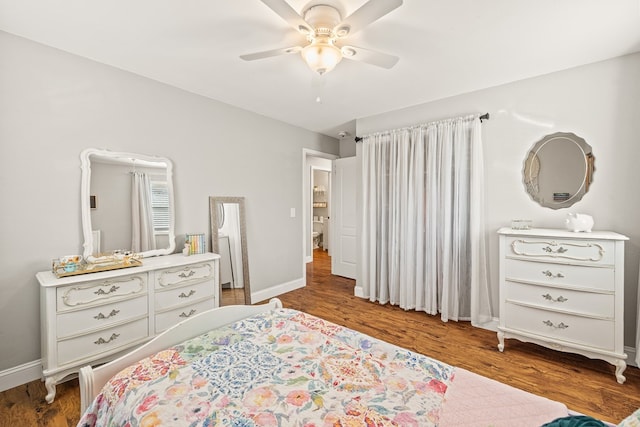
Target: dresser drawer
[
  {"x": 91, "y": 318},
  {"x": 177, "y": 296},
  {"x": 99, "y": 292},
  {"x": 562, "y": 250},
  {"x": 575, "y": 276},
  {"x": 103, "y": 341},
  {"x": 102, "y": 316},
  {"x": 181, "y": 276},
  {"x": 552, "y": 325},
  {"x": 585, "y": 303},
  {"x": 169, "y": 318}
]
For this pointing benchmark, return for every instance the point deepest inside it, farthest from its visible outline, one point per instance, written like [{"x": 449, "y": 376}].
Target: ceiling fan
[{"x": 324, "y": 29}]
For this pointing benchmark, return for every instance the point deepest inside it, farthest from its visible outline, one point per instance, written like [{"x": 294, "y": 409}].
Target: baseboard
[
  {"x": 631, "y": 356},
  {"x": 308, "y": 259},
  {"x": 357, "y": 291},
  {"x": 491, "y": 325},
  {"x": 274, "y": 291},
  {"x": 18, "y": 375}
]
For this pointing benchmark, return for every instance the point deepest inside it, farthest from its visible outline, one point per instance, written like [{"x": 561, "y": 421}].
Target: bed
[{"x": 266, "y": 365}]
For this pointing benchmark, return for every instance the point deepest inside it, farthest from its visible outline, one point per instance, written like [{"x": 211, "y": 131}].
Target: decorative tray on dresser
[
  {"x": 92, "y": 318},
  {"x": 564, "y": 290}
]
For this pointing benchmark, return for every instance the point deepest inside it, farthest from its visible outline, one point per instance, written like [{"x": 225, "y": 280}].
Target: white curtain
[
  {"x": 423, "y": 244},
  {"x": 142, "y": 236}
]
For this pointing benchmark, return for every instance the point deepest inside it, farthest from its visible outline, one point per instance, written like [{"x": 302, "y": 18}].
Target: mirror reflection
[
  {"x": 559, "y": 170},
  {"x": 229, "y": 240},
  {"x": 127, "y": 203}
]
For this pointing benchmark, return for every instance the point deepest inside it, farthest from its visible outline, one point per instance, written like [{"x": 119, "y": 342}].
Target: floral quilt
[{"x": 281, "y": 368}]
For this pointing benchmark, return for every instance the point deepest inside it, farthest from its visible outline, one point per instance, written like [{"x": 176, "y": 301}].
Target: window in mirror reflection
[
  {"x": 160, "y": 207},
  {"x": 134, "y": 211}
]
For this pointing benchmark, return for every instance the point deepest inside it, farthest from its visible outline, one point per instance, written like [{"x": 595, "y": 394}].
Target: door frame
[{"x": 306, "y": 199}]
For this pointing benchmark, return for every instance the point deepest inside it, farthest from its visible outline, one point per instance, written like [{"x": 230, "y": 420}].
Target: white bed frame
[{"x": 92, "y": 379}]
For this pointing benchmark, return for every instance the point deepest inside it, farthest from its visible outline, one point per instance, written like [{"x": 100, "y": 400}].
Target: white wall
[
  {"x": 347, "y": 147},
  {"x": 599, "y": 102},
  {"x": 53, "y": 105}
]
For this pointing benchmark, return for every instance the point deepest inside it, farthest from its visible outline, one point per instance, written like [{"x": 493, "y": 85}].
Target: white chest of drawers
[
  {"x": 93, "y": 318},
  {"x": 565, "y": 291}
]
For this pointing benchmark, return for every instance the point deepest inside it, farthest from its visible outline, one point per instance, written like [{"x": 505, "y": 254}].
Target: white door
[{"x": 343, "y": 220}]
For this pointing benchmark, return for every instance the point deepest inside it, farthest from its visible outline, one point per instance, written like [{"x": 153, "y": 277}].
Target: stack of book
[
  {"x": 560, "y": 197},
  {"x": 197, "y": 243}
]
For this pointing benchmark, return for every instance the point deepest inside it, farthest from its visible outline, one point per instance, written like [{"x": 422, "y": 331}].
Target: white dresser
[
  {"x": 565, "y": 291},
  {"x": 92, "y": 318}
]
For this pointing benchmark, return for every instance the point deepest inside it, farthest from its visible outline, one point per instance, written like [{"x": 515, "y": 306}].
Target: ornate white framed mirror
[
  {"x": 558, "y": 170},
  {"x": 127, "y": 203},
  {"x": 229, "y": 240}
]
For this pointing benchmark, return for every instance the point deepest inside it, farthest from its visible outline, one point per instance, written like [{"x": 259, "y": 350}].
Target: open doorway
[
  {"x": 321, "y": 208},
  {"x": 323, "y": 162}
]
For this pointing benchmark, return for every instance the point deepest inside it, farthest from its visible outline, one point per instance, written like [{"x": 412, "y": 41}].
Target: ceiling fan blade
[
  {"x": 286, "y": 12},
  {"x": 369, "y": 12},
  {"x": 270, "y": 53},
  {"x": 369, "y": 56}
]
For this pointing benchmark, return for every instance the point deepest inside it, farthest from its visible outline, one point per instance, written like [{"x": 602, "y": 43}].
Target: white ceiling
[{"x": 446, "y": 47}]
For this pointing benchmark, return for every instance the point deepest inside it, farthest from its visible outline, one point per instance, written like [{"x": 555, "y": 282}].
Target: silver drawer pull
[
  {"x": 560, "y": 250},
  {"x": 101, "y": 316},
  {"x": 550, "y": 298},
  {"x": 559, "y": 326},
  {"x": 185, "y": 315},
  {"x": 183, "y": 295},
  {"x": 110, "y": 291},
  {"x": 103, "y": 341},
  {"x": 186, "y": 275},
  {"x": 553, "y": 276}
]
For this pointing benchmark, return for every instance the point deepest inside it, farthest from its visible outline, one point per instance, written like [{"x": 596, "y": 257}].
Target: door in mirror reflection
[{"x": 228, "y": 234}]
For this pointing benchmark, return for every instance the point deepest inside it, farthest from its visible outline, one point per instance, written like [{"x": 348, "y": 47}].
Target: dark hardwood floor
[
  {"x": 230, "y": 296},
  {"x": 585, "y": 385}
]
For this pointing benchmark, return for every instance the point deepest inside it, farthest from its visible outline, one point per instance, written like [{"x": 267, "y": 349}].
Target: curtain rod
[{"x": 485, "y": 116}]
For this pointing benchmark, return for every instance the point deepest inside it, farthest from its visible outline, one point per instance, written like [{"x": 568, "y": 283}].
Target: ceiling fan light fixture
[
  {"x": 321, "y": 55},
  {"x": 342, "y": 31},
  {"x": 348, "y": 51},
  {"x": 322, "y": 25}
]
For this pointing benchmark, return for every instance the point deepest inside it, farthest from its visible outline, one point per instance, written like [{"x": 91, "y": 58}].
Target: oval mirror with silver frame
[
  {"x": 229, "y": 240},
  {"x": 127, "y": 203},
  {"x": 558, "y": 170}
]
